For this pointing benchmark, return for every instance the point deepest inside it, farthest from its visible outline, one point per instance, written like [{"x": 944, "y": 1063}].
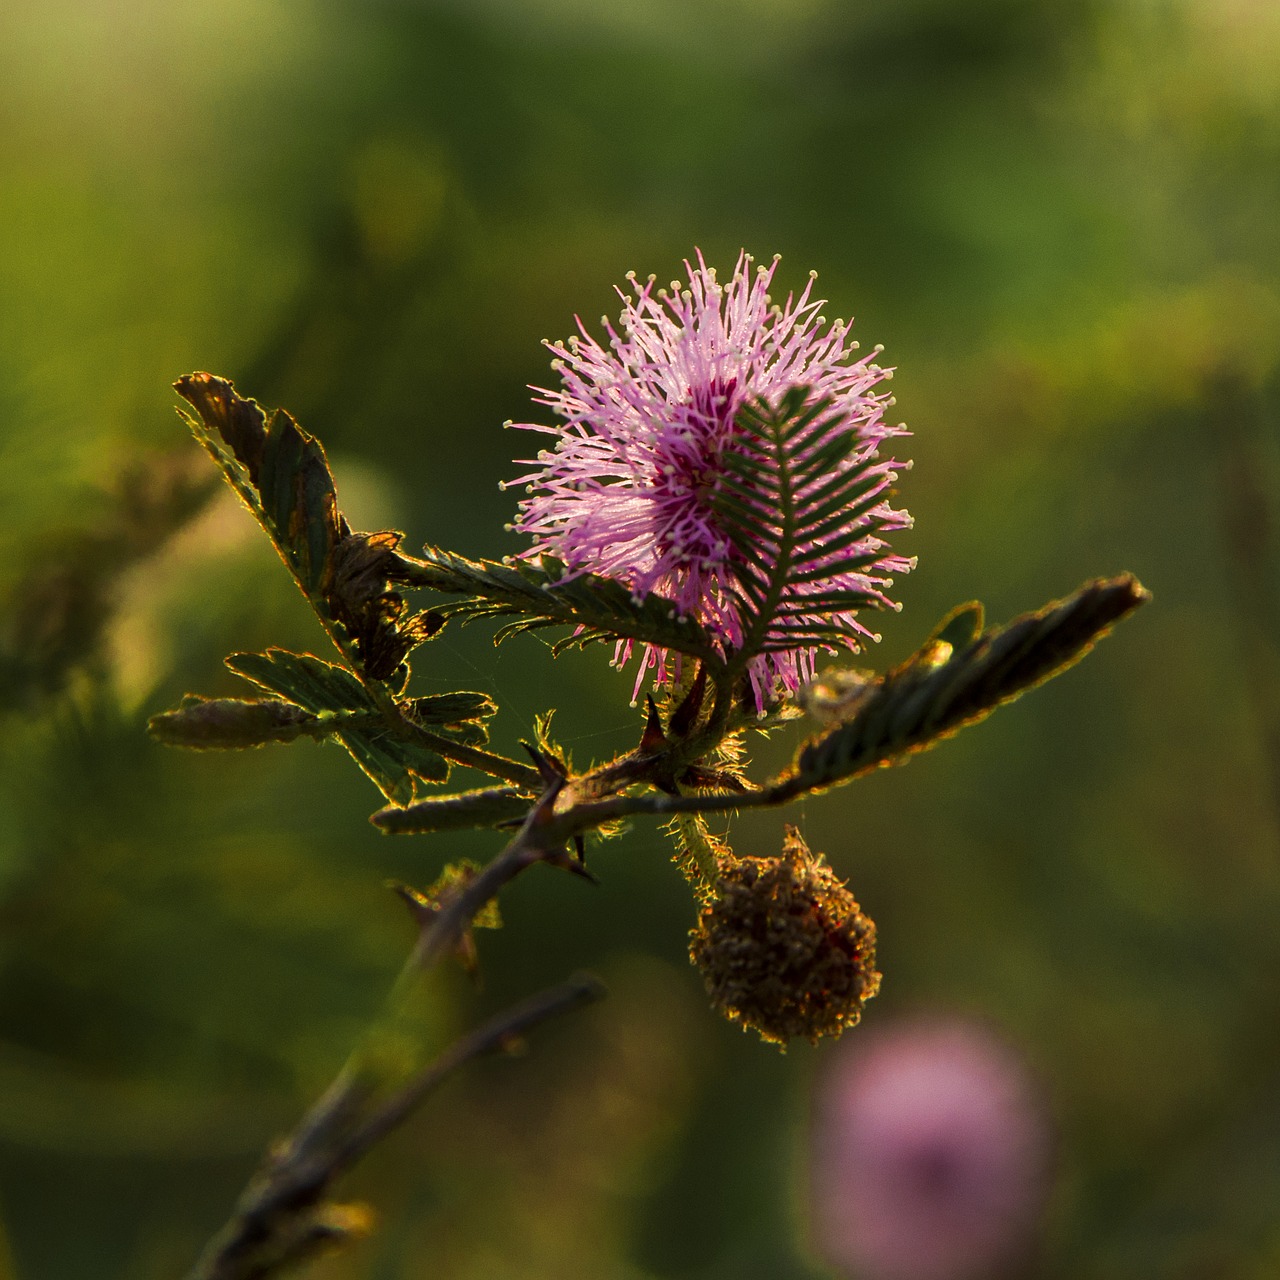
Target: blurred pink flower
[
  {"x": 930, "y": 1154},
  {"x": 628, "y": 489}
]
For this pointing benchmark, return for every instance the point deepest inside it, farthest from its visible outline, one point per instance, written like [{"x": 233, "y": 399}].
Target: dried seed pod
[{"x": 784, "y": 948}]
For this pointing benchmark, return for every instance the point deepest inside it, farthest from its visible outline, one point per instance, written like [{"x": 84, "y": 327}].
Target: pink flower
[
  {"x": 630, "y": 488},
  {"x": 930, "y": 1154}
]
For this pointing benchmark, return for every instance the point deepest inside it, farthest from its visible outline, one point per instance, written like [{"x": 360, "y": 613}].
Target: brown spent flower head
[{"x": 784, "y": 947}]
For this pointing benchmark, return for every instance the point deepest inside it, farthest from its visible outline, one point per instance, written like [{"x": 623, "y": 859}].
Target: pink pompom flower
[
  {"x": 629, "y": 489},
  {"x": 930, "y": 1155}
]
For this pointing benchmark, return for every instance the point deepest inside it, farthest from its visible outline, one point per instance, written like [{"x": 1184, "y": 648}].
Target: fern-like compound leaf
[
  {"x": 543, "y": 594},
  {"x": 956, "y": 679},
  {"x": 802, "y": 498}
]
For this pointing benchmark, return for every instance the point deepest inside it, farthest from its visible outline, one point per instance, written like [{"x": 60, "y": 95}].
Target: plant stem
[
  {"x": 283, "y": 1216},
  {"x": 280, "y": 1219},
  {"x": 493, "y": 1036}
]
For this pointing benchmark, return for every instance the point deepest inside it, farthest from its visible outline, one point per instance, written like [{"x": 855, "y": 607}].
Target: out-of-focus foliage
[{"x": 1060, "y": 218}]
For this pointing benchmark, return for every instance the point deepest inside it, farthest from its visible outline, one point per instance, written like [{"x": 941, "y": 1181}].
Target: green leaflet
[
  {"x": 961, "y": 627},
  {"x": 454, "y": 876},
  {"x": 451, "y": 708},
  {"x": 304, "y": 680},
  {"x": 492, "y": 807},
  {"x": 457, "y": 716}
]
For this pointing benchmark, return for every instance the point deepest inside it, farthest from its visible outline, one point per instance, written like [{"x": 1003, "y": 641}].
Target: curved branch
[{"x": 283, "y": 1216}]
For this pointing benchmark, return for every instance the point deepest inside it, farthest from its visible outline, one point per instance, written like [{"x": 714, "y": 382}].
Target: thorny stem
[
  {"x": 533, "y": 843},
  {"x": 279, "y": 1209},
  {"x": 281, "y": 1218},
  {"x": 585, "y": 817},
  {"x": 644, "y": 767}
]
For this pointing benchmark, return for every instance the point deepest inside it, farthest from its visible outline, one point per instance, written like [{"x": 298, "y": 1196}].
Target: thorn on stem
[
  {"x": 421, "y": 908},
  {"x": 653, "y": 738},
  {"x": 686, "y": 714},
  {"x": 550, "y": 770},
  {"x": 575, "y": 866}
]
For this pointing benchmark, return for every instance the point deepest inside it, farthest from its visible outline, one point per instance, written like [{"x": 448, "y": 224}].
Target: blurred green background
[{"x": 1061, "y": 218}]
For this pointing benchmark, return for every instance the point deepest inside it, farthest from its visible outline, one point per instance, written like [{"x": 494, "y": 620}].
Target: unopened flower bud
[{"x": 230, "y": 723}]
